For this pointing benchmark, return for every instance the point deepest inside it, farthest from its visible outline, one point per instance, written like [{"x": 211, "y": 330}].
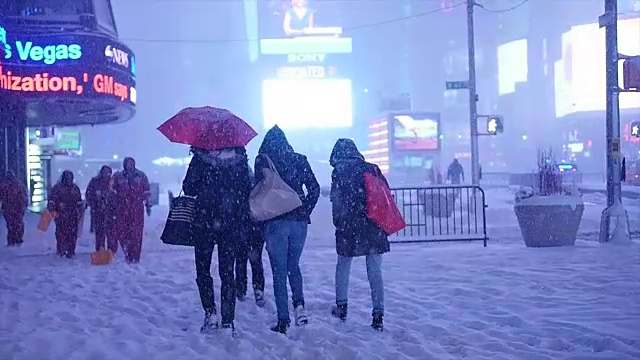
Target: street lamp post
[
  {"x": 609, "y": 20},
  {"x": 473, "y": 96}
]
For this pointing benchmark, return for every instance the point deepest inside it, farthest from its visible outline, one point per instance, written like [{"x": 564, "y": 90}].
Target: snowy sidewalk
[{"x": 445, "y": 302}]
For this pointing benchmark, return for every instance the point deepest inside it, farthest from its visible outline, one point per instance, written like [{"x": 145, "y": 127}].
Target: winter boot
[
  {"x": 340, "y": 311},
  {"x": 281, "y": 327},
  {"x": 377, "y": 324},
  {"x": 230, "y": 329},
  {"x": 241, "y": 296},
  {"x": 300, "y": 315},
  {"x": 259, "y": 295},
  {"x": 210, "y": 322}
]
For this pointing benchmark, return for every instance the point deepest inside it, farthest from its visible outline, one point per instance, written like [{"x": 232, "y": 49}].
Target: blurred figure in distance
[{"x": 14, "y": 199}]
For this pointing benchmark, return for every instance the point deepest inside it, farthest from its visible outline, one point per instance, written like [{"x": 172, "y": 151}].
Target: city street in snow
[{"x": 443, "y": 301}]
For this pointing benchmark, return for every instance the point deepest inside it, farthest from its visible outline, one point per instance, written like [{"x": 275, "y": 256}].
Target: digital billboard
[
  {"x": 307, "y": 103},
  {"x": 580, "y": 79},
  {"x": 305, "y": 63},
  {"x": 416, "y": 131},
  {"x": 71, "y": 65}
]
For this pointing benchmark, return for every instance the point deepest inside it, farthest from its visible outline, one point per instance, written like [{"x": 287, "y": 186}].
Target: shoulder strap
[{"x": 272, "y": 166}]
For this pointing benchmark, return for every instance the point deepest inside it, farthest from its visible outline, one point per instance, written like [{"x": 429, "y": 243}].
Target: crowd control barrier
[{"x": 441, "y": 213}]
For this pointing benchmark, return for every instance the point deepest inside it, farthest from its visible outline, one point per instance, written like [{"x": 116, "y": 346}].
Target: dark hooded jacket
[
  {"x": 356, "y": 235},
  {"x": 455, "y": 173},
  {"x": 221, "y": 188},
  {"x": 293, "y": 168}
]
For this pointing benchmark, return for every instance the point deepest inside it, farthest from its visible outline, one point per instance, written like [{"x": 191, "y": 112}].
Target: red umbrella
[{"x": 207, "y": 128}]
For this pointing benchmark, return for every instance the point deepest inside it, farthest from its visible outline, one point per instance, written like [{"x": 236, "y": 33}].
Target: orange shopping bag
[
  {"x": 45, "y": 220},
  {"x": 101, "y": 257}
]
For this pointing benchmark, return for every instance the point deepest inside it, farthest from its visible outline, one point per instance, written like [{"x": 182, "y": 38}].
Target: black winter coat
[
  {"x": 222, "y": 193},
  {"x": 356, "y": 235},
  {"x": 293, "y": 168}
]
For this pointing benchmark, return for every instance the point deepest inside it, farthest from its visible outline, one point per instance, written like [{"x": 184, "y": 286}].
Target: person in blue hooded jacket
[{"x": 286, "y": 234}]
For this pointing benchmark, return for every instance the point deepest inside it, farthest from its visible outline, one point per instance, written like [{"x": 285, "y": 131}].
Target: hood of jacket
[
  {"x": 66, "y": 178},
  {"x": 275, "y": 143},
  {"x": 344, "y": 150}
]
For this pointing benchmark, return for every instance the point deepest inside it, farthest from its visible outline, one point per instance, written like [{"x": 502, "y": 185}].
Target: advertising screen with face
[
  {"x": 289, "y": 18},
  {"x": 307, "y": 103}
]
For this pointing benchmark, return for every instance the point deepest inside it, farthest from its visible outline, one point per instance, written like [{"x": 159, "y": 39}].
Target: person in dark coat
[
  {"x": 286, "y": 234},
  {"x": 251, "y": 251},
  {"x": 219, "y": 179},
  {"x": 356, "y": 235},
  {"x": 455, "y": 173},
  {"x": 14, "y": 199},
  {"x": 66, "y": 201},
  {"x": 97, "y": 193}
]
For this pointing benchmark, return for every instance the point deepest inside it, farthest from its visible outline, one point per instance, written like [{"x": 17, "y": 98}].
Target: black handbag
[{"x": 178, "y": 227}]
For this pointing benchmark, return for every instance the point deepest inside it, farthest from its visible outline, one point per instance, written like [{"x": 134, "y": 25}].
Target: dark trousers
[
  {"x": 66, "y": 235},
  {"x": 103, "y": 227},
  {"x": 15, "y": 226},
  {"x": 204, "y": 243},
  {"x": 250, "y": 251}
]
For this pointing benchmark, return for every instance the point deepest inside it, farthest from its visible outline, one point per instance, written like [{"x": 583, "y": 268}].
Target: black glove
[{"x": 148, "y": 210}]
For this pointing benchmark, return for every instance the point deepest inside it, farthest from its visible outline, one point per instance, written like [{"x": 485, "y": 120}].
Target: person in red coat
[
  {"x": 15, "y": 199},
  {"x": 66, "y": 200},
  {"x": 98, "y": 195},
  {"x": 132, "y": 196}
]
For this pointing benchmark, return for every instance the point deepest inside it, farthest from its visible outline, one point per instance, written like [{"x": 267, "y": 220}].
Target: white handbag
[{"x": 272, "y": 196}]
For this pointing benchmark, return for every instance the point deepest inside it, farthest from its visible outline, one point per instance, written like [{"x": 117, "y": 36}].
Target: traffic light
[
  {"x": 494, "y": 125},
  {"x": 631, "y": 73},
  {"x": 635, "y": 129}
]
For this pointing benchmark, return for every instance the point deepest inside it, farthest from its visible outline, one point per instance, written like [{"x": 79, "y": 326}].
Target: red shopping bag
[{"x": 381, "y": 207}]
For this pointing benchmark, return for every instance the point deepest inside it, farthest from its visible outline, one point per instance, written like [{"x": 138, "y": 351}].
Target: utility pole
[
  {"x": 609, "y": 20},
  {"x": 473, "y": 96}
]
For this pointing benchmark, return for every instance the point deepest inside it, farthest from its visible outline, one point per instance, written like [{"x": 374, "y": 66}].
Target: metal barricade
[{"x": 441, "y": 213}]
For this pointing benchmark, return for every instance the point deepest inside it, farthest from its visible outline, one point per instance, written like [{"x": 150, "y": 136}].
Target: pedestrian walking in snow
[
  {"x": 250, "y": 250},
  {"x": 14, "y": 199},
  {"x": 65, "y": 200},
  {"x": 132, "y": 197},
  {"x": 455, "y": 172},
  {"x": 356, "y": 234},
  {"x": 219, "y": 180},
  {"x": 99, "y": 196},
  {"x": 286, "y": 234}
]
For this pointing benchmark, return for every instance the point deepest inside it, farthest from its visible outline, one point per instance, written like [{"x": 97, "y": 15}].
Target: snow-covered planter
[
  {"x": 549, "y": 215},
  {"x": 547, "y": 221}
]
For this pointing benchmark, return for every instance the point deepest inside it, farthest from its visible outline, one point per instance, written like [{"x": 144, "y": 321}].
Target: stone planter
[{"x": 548, "y": 221}]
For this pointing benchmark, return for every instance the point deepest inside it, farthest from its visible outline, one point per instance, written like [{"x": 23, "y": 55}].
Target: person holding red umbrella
[
  {"x": 132, "y": 197},
  {"x": 218, "y": 177},
  {"x": 220, "y": 182}
]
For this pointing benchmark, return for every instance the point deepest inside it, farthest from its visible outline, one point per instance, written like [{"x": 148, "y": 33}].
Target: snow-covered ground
[{"x": 443, "y": 301}]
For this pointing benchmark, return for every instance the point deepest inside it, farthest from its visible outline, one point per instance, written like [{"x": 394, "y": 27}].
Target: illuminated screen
[
  {"x": 313, "y": 26},
  {"x": 276, "y": 15},
  {"x": 580, "y": 79},
  {"x": 416, "y": 132},
  {"x": 307, "y": 103},
  {"x": 512, "y": 65},
  {"x": 69, "y": 65}
]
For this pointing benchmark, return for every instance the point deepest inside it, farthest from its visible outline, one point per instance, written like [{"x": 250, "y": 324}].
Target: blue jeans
[
  {"x": 374, "y": 274},
  {"x": 285, "y": 241}
]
